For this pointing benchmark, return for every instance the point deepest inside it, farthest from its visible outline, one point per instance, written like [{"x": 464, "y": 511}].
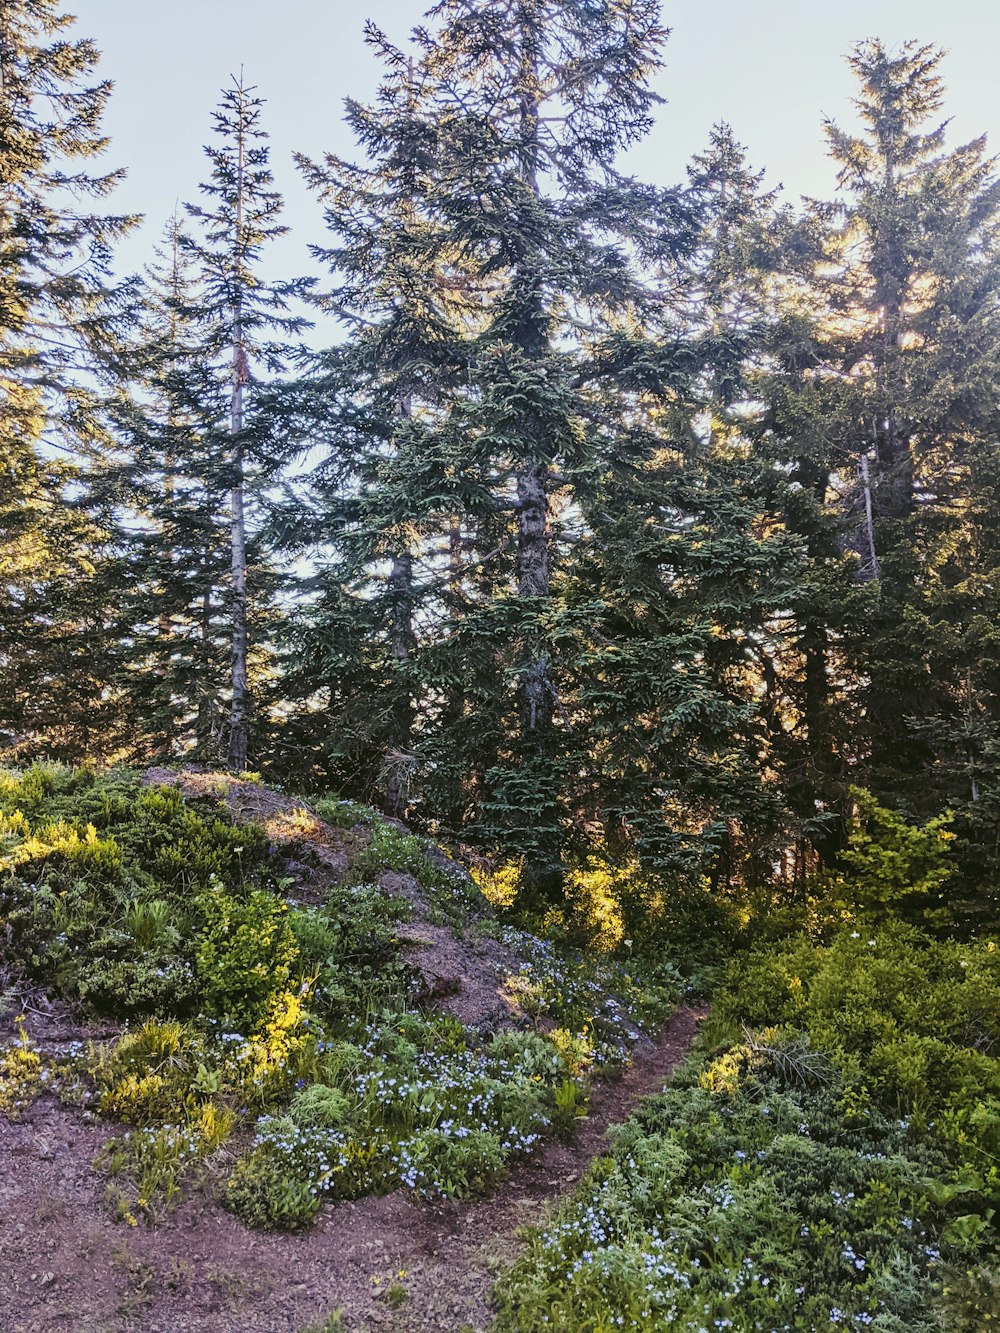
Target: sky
[{"x": 773, "y": 69}]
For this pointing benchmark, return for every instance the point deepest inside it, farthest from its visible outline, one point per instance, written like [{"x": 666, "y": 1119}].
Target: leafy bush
[
  {"x": 264, "y": 1192},
  {"x": 100, "y": 881},
  {"x": 245, "y": 953},
  {"x": 838, "y": 1168},
  {"x": 149, "y": 1165},
  {"x": 753, "y": 1205},
  {"x": 135, "y": 902},
  {"x": 890, "y": 864},
  {"x": 351, "y": 947},
  {"x": 910, "y": 1020}
]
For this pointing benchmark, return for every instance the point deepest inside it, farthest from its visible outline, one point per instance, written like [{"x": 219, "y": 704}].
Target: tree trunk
[
  {"x": 239, "y": 719},
  {"x": 534, "y": 581},
  {"x": 401, "y": 642}
]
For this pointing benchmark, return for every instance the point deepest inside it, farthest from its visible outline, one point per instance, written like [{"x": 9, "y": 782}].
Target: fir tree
[
  {"x": 495, "y": 148},
  {"x": 536, "y": 100},
  {"x": 893, "y": 395},
  {"x": 60, "y": 320},
  {"x": 683, "y": 571},
  {"x": 378, "y": 493},
  {"x": 171, "y": 417},
  {"x": 239, "y": 310}
]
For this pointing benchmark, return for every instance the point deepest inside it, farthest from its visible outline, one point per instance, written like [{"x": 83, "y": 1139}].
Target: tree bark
[
  {"x": 401, "y": 643},
  {"x": 239, "y": 719}
]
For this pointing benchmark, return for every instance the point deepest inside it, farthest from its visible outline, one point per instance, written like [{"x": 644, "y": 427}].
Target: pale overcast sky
[{"x": 771, "y": 68}]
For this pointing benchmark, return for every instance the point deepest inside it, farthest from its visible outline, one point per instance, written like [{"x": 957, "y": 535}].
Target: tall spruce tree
[
  {"x": 544, "y": 95},
  {"x": 524, "y": 107},
  {"x": 379, "y": 492},
  {"x": 683, "y": 569},
  {"x": 171, "y": 415},
  {"x": 239, "y": 310}
]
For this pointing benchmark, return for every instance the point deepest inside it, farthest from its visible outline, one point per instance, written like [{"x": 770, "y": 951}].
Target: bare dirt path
[{"x": 66, "y": 1268}]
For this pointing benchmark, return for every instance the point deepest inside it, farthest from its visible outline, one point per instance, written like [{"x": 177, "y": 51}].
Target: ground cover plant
[
  {"x": 829, "y": 1157},
  {"x": 275, "y": 1049}
]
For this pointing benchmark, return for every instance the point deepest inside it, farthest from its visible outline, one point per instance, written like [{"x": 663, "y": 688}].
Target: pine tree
[{"x": 239, "y": 310}]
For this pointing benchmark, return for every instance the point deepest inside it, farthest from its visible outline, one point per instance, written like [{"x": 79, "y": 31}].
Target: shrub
[
  {"x": 20, "y": 1074},
  {"x": 754, "y": 1206},
  {"x": 245, "y": 953},
  {"x": 262, "y": 1193}
]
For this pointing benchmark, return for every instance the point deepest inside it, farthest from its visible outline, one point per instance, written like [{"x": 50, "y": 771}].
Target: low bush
[
  {"x": 745, "y": 1199},
  {"x": 830, "y": 1161}
]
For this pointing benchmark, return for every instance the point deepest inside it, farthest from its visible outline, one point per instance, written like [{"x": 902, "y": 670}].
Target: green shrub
[
  {"x": 99, "y": 878},
  {"x": 149, "y": 1165},
  {"x": 262, "y": 1193},
  {"x": 147, "y": 1076},
  {"x": 909, "y": 1019},
  {"x": 20, "y": 1074},
  {"x": 245, "y": 954},
  {"x": 327, "y": 1108},
  {"x": 352, "y": 948},
  {"x": 753, "y": 1204}
]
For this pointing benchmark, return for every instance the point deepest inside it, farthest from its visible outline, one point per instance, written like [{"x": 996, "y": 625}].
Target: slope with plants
[
  {"x": 829, "y": 1157},
  {"x": 289, "y": 1011}
]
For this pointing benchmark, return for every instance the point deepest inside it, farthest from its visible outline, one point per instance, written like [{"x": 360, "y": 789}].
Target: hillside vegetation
[
  {"x": 282, "y": 1005},
  {"x": 293, "y": 1010}
]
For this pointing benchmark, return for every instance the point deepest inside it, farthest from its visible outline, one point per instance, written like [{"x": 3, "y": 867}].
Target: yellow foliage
[
  {"x": 499, "y": 887},
  {"x": 593, "y": 897},
  {"x": 20, "y": 1074}
]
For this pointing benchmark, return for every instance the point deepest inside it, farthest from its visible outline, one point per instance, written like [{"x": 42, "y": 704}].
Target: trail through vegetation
[
  {"x": 394, "y": 732},
  {"x": 68, "y": 1266}
]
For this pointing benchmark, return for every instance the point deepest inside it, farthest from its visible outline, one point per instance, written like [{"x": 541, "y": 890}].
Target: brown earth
[
  {"x": 65, "y": 1267},
  {"x": 463, "y": 974}
]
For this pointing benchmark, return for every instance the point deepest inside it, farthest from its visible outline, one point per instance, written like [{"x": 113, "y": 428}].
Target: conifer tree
[
  {"x": 378, "y": 492},
  {"x": 241, "y": 313},
  {"x": 523, "y": 108},
  {"x": 887, "y": 394},
  {"x": 453, "y": 403},
  {"x": 684, "y": 569},
  {"x": 171, "y": 416},
  {"x": 60, "y": 318}
]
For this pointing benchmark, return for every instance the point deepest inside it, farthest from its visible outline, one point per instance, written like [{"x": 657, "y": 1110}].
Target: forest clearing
[{"x": 499, "y": 729}]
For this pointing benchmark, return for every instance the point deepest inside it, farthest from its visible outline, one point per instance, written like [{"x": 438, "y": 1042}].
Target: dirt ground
[{"x": 65, "y": 1267}]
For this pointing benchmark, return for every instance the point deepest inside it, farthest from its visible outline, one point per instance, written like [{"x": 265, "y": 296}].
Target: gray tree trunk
[{"x": 239, "y": 717}]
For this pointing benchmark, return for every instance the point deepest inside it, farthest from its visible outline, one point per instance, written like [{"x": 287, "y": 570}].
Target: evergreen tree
[
  {"x": 520, "y": 220},
  {"x": 379, "y": 491},
  {"x": 886, "y": 399},
  {"x": 238, "y": 310},
  {"x": 60, "y": 318},
  {"x": 684, "y": 570},
  {"x": 171, "y": 417}
]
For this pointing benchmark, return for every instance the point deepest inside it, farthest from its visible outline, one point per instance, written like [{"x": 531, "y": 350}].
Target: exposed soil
[
  {"x": 461, "y": 974},
  {"x": 65, "y": 1266}
]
